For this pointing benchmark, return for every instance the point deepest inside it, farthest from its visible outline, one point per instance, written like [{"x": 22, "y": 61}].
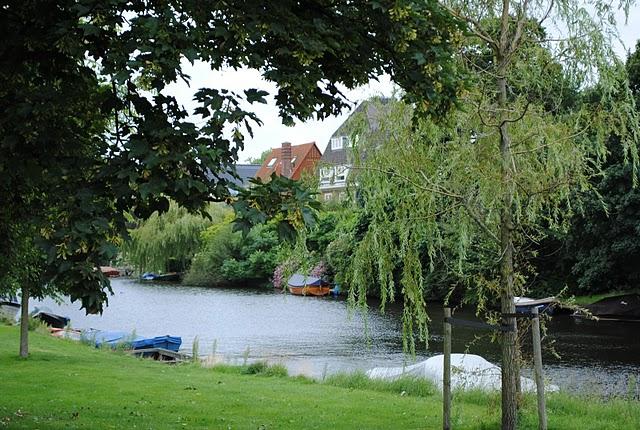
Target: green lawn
[
  {"x": 587, "y": 300},
  {"x": 65, "y": 385}
]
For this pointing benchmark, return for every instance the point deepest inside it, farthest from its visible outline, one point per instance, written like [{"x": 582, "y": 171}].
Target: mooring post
[
  {"x": 537, "y": 360},
  {"x": 446, "y": 374}
]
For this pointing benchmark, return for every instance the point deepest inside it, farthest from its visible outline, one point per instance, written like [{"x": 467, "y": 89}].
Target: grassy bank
[
  {"x": 65, "y": 385},
  {"x": 587, "y": 300}
]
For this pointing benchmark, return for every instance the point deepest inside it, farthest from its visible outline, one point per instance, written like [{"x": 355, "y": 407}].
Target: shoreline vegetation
[{"x": 65, "y": 384}]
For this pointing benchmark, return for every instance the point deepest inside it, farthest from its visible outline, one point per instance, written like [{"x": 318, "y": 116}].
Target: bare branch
[
  {"x": 476, "y": 27},
  {"x": 546, "y": 15},
  {"x": 522, "y": 19}
]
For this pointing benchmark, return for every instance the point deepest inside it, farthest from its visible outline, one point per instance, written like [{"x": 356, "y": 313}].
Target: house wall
[{"x": 308, "y": 163}]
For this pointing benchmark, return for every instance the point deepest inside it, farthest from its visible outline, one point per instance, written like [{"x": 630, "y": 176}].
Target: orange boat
[{"x": 301, "y": 285}]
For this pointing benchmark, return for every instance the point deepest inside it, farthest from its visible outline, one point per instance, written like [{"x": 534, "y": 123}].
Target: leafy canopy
[{"x": 89, "y": 133}]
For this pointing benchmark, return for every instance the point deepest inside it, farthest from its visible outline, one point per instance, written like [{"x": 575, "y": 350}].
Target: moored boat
[
  {"x": 109, "y": 272},
  {"x": 49, "y": 318},
  {"x": 9, "y": 307},
  {"x": 526, "y": 304},
  {"x": 301, "y": 285},
  {"x": 165, "y": 277},
  {"x": 132, "y": 341}
]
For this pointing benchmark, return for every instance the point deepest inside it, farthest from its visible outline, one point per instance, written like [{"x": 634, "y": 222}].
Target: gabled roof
[
  {"x": 372, "y": 109},
  {"x": 298, "y": 153}
]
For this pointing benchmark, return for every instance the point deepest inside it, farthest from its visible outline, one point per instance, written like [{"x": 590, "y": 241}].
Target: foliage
[
  {"x": 167, "y": 242},
  {"x": 89, "y": 132},
  {"x": 436, "y": 184},
  {"x": 263, "y": 156},
  {"x": 404, "y": 386},
  {"x": 290, "y": 205},
  {"x": 229, "y": 258},
  {"x": 265, "y": 369},
  {"x": 498, "y": 173}
]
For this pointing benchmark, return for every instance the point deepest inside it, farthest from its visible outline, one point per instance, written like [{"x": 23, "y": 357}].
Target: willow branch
[{"x": 476, "y": 27}]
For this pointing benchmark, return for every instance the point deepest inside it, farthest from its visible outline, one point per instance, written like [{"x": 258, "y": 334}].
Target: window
[
  {"x": 336, "y": 143},
  {"x": 341, "y": 173},
  {"x": 272, "y": 162},
  {"x": 293, "y": 160},
  {"x": 327, "y": 197},
  {"x": 345, "y": 141}
]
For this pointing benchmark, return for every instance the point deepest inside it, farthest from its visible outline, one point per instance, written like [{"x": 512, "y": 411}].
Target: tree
[
  {"x": 263, "y": 156},
  {"x": 167, "y": 242},
  {"x": 602, "y": 244},
  {"x": 88, "y": 132},
  {"x": 502, "y": 170}
]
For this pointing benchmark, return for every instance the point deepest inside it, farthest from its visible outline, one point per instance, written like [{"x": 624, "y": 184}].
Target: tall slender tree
[{"x": 503, "y": 168}]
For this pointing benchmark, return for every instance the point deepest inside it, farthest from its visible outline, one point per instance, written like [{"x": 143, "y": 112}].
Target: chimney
[{"x": 286, "y": 159}]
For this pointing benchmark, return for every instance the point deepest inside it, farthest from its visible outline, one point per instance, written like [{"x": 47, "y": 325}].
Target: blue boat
[
  {"x": 172, "y": 343},
  {"x": 115, "y": 339}
]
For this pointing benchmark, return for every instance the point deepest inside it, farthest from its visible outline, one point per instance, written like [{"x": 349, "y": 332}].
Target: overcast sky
[{"x": 273, "y": 133}]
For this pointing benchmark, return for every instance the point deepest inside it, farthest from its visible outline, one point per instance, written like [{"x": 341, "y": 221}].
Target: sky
[{"x": 273, "y": 132}]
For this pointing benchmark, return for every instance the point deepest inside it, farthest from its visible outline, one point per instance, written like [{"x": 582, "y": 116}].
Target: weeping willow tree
[
  {"x": 169, "y": 241},
  {"x": 502, "y": 169}
]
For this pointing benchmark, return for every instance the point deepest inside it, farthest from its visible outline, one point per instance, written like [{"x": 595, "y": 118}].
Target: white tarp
[{"x": 468, "y": 372}]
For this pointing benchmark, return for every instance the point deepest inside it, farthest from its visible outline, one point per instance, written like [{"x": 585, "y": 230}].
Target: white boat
[
  {"x": 525, "y": 304},
  {"x": 468, "y": 372}
]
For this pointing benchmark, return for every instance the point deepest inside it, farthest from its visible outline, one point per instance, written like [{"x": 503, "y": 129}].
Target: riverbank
[{"x": 69, "y": 385}]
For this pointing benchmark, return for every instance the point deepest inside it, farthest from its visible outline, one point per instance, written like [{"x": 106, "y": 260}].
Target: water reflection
[{"x": 318, "y": 335}]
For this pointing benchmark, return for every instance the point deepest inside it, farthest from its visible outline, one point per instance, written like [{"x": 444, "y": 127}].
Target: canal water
[{"x": 320, "y": 336}]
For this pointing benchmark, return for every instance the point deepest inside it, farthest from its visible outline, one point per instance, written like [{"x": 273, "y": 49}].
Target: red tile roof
[{"x": 305, "y": 156}]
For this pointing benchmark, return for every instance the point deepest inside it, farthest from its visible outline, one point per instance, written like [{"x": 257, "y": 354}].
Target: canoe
[{"x": 301, "y": 285}]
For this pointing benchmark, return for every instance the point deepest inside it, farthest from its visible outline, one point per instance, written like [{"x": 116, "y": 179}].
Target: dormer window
[
  {"x": 272, "y": 162},
  {"x": 293, "y": 160},
  {"x": 336, "y": 143}
]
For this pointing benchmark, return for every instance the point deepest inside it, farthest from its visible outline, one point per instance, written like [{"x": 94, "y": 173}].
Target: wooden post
[
  {"x": 537, "y": 360},
  {"x": 446, "y": 374}
]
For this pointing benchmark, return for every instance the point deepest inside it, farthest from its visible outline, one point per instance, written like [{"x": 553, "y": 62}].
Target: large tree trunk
[{"x": 24, "y": 322}]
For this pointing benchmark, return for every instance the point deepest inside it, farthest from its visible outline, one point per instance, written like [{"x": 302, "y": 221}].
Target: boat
[
  {"x": 171, "y": 343},
  {"x": 49, "y": 318},
  {"x": 617, "y": 308},
  {"x": 470, "y": 372},
  {"x": 524, "y": 305},
  {"x": 9, "y": 307},
  {"x": 166, "y": 277},
  {"x": 301, "y": 285},
  {"x": 109, "y": 272},
  {"x": 131, "y": 341}
]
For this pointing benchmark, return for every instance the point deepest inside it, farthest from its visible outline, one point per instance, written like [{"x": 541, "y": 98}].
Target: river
[{"x": 319, "y": 336}]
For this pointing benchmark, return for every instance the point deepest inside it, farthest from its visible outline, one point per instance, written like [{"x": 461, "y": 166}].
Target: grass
[
  {"x": 587, "y": 300},
  {"x": 67, "y": 385}
]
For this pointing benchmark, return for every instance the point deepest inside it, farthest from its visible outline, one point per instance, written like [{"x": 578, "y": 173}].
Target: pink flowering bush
[{"x": 319, "y": 270}]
